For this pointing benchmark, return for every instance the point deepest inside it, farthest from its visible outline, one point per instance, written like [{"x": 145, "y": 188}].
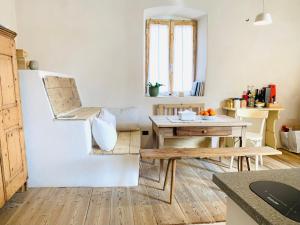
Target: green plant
[{"x": 156, "y": 85}]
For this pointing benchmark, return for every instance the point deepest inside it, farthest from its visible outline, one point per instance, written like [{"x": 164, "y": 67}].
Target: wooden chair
[
  {"x": 254, "y": 136},
  {"x": 173, "y": 109}
]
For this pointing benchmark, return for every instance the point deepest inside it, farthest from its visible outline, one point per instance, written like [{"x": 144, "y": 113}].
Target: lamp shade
[{"x": 263, "y": 19}]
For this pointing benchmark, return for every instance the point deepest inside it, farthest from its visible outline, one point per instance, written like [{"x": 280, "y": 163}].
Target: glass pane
[
  {"x": 159, "y": 56},
  {"x": 183, "y": 67}
]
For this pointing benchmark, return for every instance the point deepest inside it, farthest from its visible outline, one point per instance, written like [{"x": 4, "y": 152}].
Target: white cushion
[
  {"x": 127, "y": 118},
  {"x": 104, "y": 134},
  {"x": 107, "y": 117}
]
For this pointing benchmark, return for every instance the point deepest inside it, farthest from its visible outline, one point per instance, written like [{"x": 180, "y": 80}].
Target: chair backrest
[
  {"x": 173, "y": 109},
  {"x": 258, "y": 115}
]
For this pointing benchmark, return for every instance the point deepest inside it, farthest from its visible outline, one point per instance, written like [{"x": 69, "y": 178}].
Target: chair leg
[
  {"x": 232, "y": 157},
  {"x": 259, "y": 144},
  {"x": 256, "y": 162},
  {"x": 261, "y": 160},
  {"x": 231, "y": 162}
]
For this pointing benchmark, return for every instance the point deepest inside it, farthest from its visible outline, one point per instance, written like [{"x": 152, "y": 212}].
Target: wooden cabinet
[{"x": 13, "y": 173}]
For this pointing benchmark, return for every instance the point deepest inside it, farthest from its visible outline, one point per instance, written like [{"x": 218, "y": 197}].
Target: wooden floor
[{"x": 197, "y": 199}]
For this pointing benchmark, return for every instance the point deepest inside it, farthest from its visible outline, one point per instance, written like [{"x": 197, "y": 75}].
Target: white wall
[
  {"x": 8, "y": 14},
  {"x": 101, "y": 44}
]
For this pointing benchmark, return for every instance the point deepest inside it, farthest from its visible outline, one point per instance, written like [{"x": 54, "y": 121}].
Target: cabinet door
[
  {"x": 11, "y": 131},
  {"x": 2, "y": 197}
]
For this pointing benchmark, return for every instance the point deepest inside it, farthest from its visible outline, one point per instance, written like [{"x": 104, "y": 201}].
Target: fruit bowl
[
  {"x": 208, "y": 117},
  {"x": 209, "y": 114}
]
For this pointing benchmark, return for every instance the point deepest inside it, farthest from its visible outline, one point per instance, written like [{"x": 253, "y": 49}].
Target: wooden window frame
[{"x": 171, "y": 23}]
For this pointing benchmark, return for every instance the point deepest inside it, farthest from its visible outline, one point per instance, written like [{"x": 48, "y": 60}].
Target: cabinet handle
[{"x": 204, "y": 131}]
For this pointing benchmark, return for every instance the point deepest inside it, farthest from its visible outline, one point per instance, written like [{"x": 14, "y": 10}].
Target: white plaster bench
[{"x": 58, "y": 138}]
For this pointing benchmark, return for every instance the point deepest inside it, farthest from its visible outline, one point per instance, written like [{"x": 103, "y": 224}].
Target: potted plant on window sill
[{"x": 154, "y": 89}]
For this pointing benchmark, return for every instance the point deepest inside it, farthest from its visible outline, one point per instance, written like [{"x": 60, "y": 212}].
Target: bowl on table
[
  {"x": 209, "y": 114},
  {"x": 208, "y": 117}
]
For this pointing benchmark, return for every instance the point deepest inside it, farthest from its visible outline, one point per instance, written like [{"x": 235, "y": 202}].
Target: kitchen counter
[{"x": 236, "y": 186}]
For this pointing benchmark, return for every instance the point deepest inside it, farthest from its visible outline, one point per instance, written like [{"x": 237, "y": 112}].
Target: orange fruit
[
  {"x": 212, "y": 113},
  {"x": 206, "y": 113},
  {"x": 202, "y": 113}
]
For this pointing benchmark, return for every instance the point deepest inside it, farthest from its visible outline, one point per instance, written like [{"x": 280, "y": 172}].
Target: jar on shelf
[
  {"x": 243, "y": 103},
  {"x": 236, "y": 103}
]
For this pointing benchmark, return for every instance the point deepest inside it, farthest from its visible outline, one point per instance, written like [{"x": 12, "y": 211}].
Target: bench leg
[
  {"x": 167, "y": 173},
  {"x": 161, "y": 166},
  {"x": 173, "y": 180}
]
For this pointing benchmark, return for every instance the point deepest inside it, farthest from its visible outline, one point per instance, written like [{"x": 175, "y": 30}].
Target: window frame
[{"x": 171, "y": 24}]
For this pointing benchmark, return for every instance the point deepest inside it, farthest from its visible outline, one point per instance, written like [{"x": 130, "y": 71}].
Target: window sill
[{"x": 173, "y": 96}]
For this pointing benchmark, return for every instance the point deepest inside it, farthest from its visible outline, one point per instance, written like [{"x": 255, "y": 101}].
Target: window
[{"x": 171, "y": 54}]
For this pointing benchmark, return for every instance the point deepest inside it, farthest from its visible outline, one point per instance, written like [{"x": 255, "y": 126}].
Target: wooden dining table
[
  {"x": 171, "y": 127},
  {"x": 167, "y": 126}
]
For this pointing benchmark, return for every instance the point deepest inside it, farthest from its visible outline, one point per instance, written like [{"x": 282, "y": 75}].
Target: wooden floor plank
[
  {"x": 100, "y": 207},
  {"x": 14, "y": 205},
  {"x": 172, "y": 214},
  {"x": 75, "y": 207},
  {"x": 25, "y": 215},
  {"x": 121, "y": 207},
  {"x": 141, "y": 206},
  {"x": 197, "y": 199},
  {"x": 202, "y": 193}
]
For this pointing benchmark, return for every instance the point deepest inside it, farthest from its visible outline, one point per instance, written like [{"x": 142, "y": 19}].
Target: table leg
[
  {"x": 248, "y": 163},
  {"x": 243, "y": 137},
  {"x": 154, "y": 142},
  {"x": 221, "y": 145},
  {"x": 161, "y": 164},
  {"x": 154, "y": 138},
  {"x": 241, "y": 163}
]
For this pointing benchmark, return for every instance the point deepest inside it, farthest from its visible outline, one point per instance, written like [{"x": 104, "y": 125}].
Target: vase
[
  {"x": 153, "y": 91},
  {"x": 34, "y": 65}
]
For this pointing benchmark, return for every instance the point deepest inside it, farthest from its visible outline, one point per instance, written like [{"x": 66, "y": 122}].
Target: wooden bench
[{"x": 172, "y": 155}]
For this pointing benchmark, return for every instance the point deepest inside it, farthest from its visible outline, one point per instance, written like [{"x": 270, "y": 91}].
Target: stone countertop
[{"x": 236, "y": 186}]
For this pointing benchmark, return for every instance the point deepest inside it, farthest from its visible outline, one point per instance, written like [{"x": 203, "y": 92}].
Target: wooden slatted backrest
[
  {"x": 173, "y": 109},
  {"x": 62, "y": 93}
]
